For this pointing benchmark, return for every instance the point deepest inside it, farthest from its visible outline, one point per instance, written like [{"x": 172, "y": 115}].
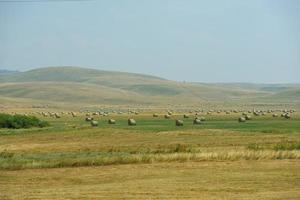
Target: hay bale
[
  {"x": 167, "y": 116},
  {"x": 94, "y": 123},
  {"x": 112, "y": 121},
  {"x": 185, "y": 116},
  {"x": 275, "y": 115},
  {"x": 74, "y": 114},
  {"x": 88, "y": 119},
  {"x": 57, "y": 115},
  {"x": 248, "y": 117},
  {"x": 197, "y": 121},
  {"x": 131, "y": 122},
  {"x": 179, "y": 122},
  {"x": 287, "y": 116},
  {"x": 242, "y": 119},
  {"x": 256, "y": 113},
  {"x": 155, "y": 115}
]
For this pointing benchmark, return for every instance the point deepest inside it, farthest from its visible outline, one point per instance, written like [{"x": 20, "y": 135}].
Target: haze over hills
[
  {"x": 6, "y": 72},
  {"x": 74, "y": 85}
]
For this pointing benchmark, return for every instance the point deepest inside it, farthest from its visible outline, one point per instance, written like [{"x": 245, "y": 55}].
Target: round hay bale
[
  {"x": 88, "y": 119},
  {"x": 167, "y": 116},
  {"x": 131, "y": 122},
  {"x": 242, "y": 119},
  {"x": 287, "y": 116},
  {"x": 197, "y": 121},
  {"x": 256, "y": 113},
  {"x": 202, "y": 119},
  {"x": 185, "y": 116},
  {"x": 179, "y": 122},
  {"x": 94, "y": 123},
  {"x": 248, "y": 117},
  {"x": 112, "y": 121},
  {"x": 275, "y": 115},
  {"x": 74, "y": 114},
  {"x": 155, "y": 115},
  {"x": 57, "y": 115}
]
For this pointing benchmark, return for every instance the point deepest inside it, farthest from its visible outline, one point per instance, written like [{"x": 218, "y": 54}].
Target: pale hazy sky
[{"x": 192, "y": 40}]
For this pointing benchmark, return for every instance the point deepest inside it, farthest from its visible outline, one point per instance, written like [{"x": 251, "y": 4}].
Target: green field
[{"x": 219, "y": 159}]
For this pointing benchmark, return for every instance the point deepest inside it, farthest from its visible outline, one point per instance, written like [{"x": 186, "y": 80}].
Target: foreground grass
[{"x": 242, "y": 180}]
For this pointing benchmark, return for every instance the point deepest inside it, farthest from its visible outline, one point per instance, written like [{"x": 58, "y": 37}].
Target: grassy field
[{"x": 219, "y": 159}]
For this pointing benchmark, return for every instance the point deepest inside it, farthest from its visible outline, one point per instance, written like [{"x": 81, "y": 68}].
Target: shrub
[{"x": 20, "y": 121}]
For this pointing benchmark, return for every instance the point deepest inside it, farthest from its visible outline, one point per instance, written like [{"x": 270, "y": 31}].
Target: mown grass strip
[{"x": 10, "y": 161}]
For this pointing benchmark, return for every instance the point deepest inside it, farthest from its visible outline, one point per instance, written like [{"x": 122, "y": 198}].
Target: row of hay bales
[
  {"x": 169, "y": 112},
  {"x": 96, "y": 123},
  {"x": 285, "y": 113},
  {"x": 132, "y": 122},
  {"x": 246, "y": 117}
]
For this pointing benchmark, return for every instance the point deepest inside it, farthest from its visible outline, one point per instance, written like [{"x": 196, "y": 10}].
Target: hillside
[{"x": 82, "y": 86}]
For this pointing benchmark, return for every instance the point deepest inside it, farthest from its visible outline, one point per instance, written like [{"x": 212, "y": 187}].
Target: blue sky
[{"x": 207, "y": 41}]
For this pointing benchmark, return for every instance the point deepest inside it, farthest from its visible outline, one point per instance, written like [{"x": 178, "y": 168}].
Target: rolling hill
[{"x": 81, "y": 86}]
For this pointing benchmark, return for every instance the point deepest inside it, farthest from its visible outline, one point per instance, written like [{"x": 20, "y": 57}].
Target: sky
[{"x": 186, "y": 40}]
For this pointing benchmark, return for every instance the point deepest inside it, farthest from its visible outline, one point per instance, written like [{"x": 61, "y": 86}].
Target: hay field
[{"x": 219, "y": 159}]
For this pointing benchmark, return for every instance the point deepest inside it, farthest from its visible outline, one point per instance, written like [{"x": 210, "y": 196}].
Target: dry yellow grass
[{"x": 276, "y": 179}]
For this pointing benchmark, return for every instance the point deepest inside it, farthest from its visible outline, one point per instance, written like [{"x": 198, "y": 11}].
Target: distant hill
[
  {"x": 83, "y": 86},
  {"x": 6, "y": 72}
]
